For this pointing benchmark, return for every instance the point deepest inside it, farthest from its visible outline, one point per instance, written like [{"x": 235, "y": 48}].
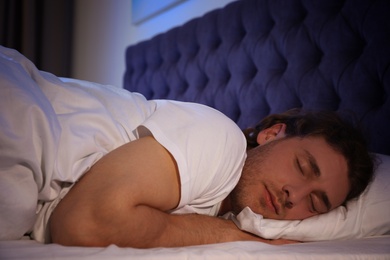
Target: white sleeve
[{"x": 208, "y": 147}]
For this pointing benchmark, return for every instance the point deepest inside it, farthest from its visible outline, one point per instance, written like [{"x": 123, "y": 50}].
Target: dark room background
[{"x": 41, "y": 30}]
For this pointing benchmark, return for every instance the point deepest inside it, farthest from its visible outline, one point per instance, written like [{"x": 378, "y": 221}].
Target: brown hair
[{"x": 338, "y": 133}]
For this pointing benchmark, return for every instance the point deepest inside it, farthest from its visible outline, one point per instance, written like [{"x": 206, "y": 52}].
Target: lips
[{"x": 270, "y": 200}]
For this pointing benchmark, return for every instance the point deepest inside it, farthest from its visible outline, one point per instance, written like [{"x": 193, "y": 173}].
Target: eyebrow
[
  {"x": 325, "y": 199},
  {"x": 317, "y": 172}
]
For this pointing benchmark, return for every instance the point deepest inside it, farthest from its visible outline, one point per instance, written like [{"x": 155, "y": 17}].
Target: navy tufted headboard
[{"x": 256, "y": 57}]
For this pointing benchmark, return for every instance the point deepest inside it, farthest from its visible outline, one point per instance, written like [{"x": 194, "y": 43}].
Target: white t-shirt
[{"x": 209, "y": 150}]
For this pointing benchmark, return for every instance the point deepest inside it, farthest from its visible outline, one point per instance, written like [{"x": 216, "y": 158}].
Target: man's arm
[{"x": 123, "y": 200}]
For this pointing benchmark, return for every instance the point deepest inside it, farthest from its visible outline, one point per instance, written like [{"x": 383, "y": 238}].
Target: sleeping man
[{"x": 89, "y": 165}]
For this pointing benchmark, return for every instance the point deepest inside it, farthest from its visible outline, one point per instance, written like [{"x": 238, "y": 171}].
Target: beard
[{"x": 251, "y": 176}]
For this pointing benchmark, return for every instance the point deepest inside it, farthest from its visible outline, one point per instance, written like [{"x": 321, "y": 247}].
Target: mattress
[{"x": 367, "y": 248}]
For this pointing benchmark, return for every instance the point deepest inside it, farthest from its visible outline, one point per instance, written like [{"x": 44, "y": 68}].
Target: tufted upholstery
[{"x": 256, "y": 57}]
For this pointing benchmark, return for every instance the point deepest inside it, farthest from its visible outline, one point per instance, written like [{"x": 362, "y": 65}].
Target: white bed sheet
[{"x": 367, "y": 248}]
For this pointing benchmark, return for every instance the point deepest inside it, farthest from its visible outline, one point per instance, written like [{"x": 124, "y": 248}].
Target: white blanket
[{"x": 39, "y": 112}]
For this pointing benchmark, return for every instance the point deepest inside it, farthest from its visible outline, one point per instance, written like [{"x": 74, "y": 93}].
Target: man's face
[{"x": 292, "y": 178}]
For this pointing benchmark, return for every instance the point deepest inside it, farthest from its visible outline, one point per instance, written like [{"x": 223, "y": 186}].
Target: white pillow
[{"x": 369, "y": 215}]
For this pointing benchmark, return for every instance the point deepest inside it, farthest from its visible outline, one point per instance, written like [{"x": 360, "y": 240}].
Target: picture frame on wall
[{"x": 143, "y": 10}]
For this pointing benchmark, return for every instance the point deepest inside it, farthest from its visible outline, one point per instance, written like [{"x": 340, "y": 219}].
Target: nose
[{"x": 295, "y": 194}]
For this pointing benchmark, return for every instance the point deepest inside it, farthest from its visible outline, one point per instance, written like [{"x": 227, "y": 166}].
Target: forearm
[
  {"x": 146, "y": 227},
  {"x": 169, "y": 230}
]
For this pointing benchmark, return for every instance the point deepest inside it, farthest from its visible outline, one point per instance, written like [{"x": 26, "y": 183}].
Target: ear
[{"x": 272, "y": 133}]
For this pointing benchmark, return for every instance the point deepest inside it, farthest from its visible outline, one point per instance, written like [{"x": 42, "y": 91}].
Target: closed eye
[{"x": 320, "y": 203}]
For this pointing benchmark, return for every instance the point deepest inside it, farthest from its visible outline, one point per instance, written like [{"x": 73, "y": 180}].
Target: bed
[{"x": 257, "y": 57}]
